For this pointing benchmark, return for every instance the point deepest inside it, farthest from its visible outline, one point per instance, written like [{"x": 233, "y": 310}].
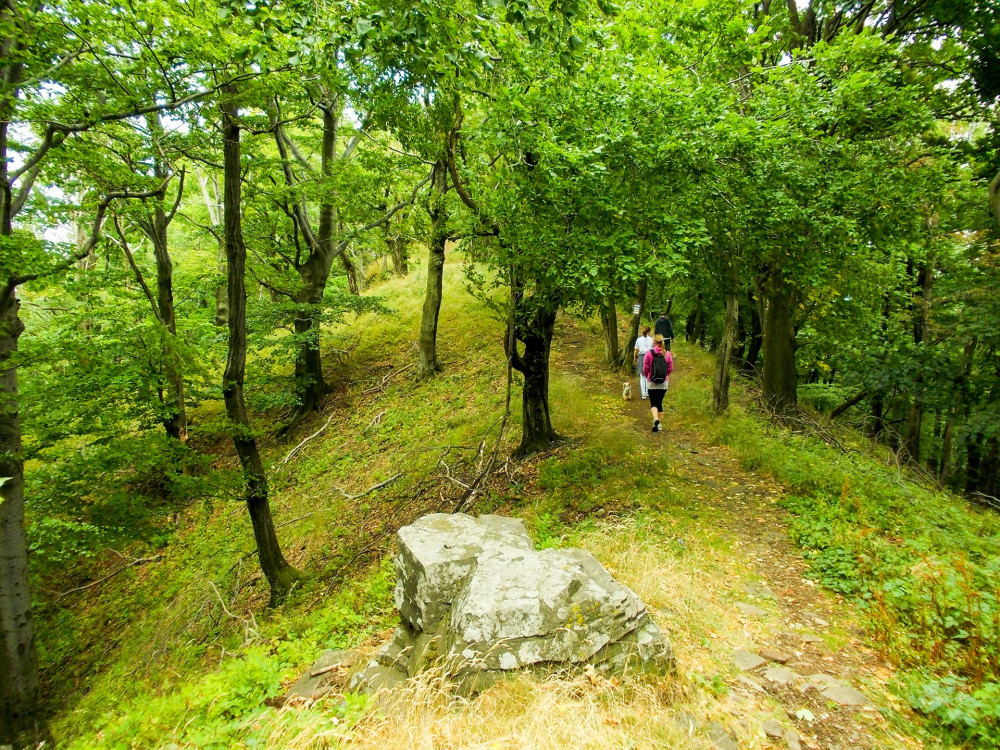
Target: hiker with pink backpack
[{"x": 656, "y": 368}]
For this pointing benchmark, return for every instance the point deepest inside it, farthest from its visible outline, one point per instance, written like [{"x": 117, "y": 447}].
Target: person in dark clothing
[{"x": 664, "y": 327}]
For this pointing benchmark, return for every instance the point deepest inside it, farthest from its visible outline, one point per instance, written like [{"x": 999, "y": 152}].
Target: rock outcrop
[{"x": 475, "y": 597}]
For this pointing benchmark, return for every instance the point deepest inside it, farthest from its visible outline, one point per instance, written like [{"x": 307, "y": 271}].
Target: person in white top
[{"x": 642, "y": 345}]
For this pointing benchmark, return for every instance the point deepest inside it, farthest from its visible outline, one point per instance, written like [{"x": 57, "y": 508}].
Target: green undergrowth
[
  {"x": 180, "y": 651},
  {"x": 921, "y": 564}
]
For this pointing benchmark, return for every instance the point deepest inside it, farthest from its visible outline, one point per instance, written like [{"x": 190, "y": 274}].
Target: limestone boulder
[{"x": 476, "y": 598}]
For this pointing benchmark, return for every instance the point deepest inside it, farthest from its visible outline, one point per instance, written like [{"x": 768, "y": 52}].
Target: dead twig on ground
[
  {"x": 380, "y": 387},
  {"x": 473, "y": 489},
  {"x": 297, "y": 448},
  {"x": 371, "y": 489},
  {"x": 130, "y": 564}
]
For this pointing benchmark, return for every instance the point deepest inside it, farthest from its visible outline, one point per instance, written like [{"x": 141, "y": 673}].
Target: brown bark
[
  {"x": 749, "y": 362},
  {"x": 780, "y": 376},
  {"x": 535, "y": 330},
  {"x": 22, "y": 721},
  {"x": 633, "y": 324},
  {"x": 398, "y": 250},
  {"x": 429, "y": 364},
  {"x": 910, "y": 445},
  {"x": 313, "y": 273},
  {"x": 609, "y": 322},
  {"x": 724, "y": 356},
  {"x": 280, "y": 575},
  {"x": 175, "y": 417},
  {"x": 351, "y": 270}
]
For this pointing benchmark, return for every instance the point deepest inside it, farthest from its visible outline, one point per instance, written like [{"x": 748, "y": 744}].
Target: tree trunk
[
  {"x": 947, "y": 445},
  {"x": 536, "y": 427},
  {"x": 21, "y": 721},
  {"x": 724, "y": 357},
  {"x": 945, "y": 470},
  {"x": 314, "y": 273},
  {"x": 633, "y": 325},
  {"x": 280, "y": 575},
  {"x": 429, "y": 364},
  {"x": 878, "y": 414},
  {"x": 398, "y": 250},
  {"x": 780, "y": 376},
  {"x": 175, "y": 415},
  {"x": 910, "y": 446},
  {"x": 352, "y": 274},
  {"x": 749, "y": 363},
  {"x": 609, "y": 321},
  {"x": 973, "y": 462}
]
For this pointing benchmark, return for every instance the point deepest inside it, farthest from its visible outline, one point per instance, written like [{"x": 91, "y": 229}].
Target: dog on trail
[{"x": 627, "y": 391}]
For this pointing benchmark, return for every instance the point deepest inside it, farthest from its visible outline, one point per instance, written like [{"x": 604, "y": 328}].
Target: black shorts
[{"x": 656, "y": 398}]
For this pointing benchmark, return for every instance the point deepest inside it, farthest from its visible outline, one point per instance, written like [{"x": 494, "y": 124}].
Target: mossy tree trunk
[
  {"x": 280, "y": 575},
  {"x": 429, "y": 365},
  {"x": 780, "y": 376}
]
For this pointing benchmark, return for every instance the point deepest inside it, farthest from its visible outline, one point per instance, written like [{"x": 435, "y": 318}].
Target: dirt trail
[{"x": 809, "y": 639}]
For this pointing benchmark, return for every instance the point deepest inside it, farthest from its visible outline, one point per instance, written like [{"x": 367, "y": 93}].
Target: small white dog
[{"x": 627, "y": 391}]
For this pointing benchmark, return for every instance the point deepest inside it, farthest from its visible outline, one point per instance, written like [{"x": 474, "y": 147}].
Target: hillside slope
[{"x": 179, "y": 652}]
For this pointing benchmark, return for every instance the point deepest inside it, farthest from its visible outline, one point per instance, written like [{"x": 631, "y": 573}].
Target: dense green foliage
[{"x": 815, "y": 190}]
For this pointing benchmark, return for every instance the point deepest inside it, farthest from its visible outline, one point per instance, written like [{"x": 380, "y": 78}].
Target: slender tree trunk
[
  {"x": 175, "y": 417},
  {"x": 429, "y": 364},
  {"x": 609, "y": 321},
  {"x": 910, "y": 446},
  {"x": 973, "y": 462},
  {"x": 959, "y": 407},
  {"x": 724, "y": 356},
  {"x": 314, "y": 273},
  {"x": 749, "y": 363},
  {"x": 878, "y": 414},
  {"x": 947, "y": 446},
  {"x": 536, "y": 426},
  {"x": 780, "y": 376},
  {"x": 280, "y": 575},
  {"x": 352, "y": 274},
  {"x": 398, "y": 250},
  {"x": 633, "y": 325}
]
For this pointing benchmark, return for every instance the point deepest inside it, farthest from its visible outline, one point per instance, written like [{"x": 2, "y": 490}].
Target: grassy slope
[{"x": 179, "y": 652}]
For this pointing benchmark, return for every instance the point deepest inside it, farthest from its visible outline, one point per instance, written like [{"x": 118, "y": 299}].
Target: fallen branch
[
  {"x": 856, "y": 399},
  {"x": 298, "y": 447},
  {"x": 131, "y": 564},
  {"x": 325, "y": 670},
  {"x": 473, "y": 488},
  {"x": 371, "y": 489},
  {"x": 385, "y": 381}
]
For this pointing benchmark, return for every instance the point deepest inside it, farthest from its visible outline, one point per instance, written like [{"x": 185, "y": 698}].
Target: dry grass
[{"x": 570, "y": 710}]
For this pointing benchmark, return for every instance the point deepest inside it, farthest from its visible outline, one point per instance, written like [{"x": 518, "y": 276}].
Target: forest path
[{"x": 799, "y": 650}]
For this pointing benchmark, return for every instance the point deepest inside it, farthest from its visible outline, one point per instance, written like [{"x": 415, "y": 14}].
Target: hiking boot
[{"x": 656, "y": 426}]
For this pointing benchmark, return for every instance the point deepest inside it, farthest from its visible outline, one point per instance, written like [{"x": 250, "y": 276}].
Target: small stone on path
[
  {"x": 810, "y": 638},
  {"x": 750, "y": 609},
  {"x": 781, "y": 675},
  {"x": 747, "y": 661},
  {"x": 719, "y": 738},
  {"x": 845, "y": 696},
  {"x": 752, "y": 684},
  {"x": 687, "y": 722},
  {"x": 792, "y": 740},
  {"x": 760, "y": 591},
  {"x": 825, "y": 680},
  {"x": 772, "y": 654},
  {"x": 773, "y": 728}
]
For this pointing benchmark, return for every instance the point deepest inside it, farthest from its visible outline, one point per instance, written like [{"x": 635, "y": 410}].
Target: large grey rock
[
  {"x": 436, "y": 555},
  {"x": 475, "y": 597}
]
